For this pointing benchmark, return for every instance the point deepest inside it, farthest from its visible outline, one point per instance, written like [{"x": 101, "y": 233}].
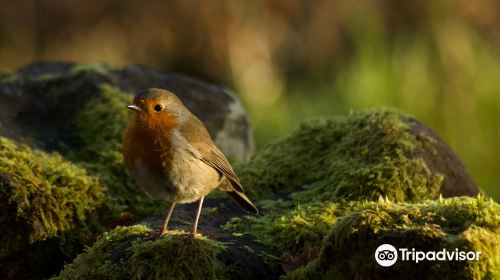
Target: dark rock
[
  {"x": 44, "y": 97},
  {"x": 441, "y": 159}
]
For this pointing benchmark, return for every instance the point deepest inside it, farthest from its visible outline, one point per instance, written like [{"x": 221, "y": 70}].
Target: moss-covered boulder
[
  {"x": 47, "y": 205},
  {"x": 316, "y": 176},
  {"x": 454, "y": 224},
  {"x": 123, "y": 254},
  {"x": 135, "y": 253},
  {"x": 362, "y": 155}
]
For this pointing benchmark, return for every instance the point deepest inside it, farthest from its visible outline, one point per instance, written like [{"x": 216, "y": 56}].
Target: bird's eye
[{"x": 158, "y": 107}]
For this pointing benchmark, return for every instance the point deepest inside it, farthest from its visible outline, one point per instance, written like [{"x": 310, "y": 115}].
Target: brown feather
[
  {"x": 198, "y": 136},
  {"x": 244, "y": 202}
]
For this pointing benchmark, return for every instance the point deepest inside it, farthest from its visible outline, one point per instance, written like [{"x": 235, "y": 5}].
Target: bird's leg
[
  {"x": 167, "y": 218},
  {"x": 198, "y": 212}
]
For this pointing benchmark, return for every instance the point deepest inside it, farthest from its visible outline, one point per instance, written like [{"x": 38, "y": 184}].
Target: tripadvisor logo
[{"x": 387, "y": 255}]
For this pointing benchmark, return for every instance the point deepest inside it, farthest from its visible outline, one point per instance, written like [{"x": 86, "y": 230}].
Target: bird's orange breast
[{"x": 145, "y": 146}]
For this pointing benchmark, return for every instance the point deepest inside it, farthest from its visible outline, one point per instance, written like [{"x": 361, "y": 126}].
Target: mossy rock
[
  {"x": 466, "y": 224},
  {"x": 174, "y": 256},
  {"x": 363, "y": 155},
  {"x": 310, "y": 180},
  {"x": 134, "y": 253},
  {"x": 47, "y": 206}
]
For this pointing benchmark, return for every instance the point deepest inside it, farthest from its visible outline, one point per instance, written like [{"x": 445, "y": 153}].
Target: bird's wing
[{"x": 197, "y": 135}]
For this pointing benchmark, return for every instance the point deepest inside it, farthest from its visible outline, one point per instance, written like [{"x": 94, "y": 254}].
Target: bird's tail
[{"x": 244, "y": 202}]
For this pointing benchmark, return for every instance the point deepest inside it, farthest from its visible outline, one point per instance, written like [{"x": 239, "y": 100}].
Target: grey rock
[{"x": 40, "y": 100}]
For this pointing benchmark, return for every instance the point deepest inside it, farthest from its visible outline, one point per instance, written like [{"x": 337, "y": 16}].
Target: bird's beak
[{"x": 135, "y": 108}]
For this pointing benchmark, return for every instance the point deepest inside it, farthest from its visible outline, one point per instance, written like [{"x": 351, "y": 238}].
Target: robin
[{"x": 169, "y": 153}]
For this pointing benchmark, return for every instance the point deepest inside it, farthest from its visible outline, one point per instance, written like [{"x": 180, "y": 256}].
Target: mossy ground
[
  {"x": 290, "y": 229},
  {"x": 464, "y": 223},
  {"x": 176, "y": 255}
]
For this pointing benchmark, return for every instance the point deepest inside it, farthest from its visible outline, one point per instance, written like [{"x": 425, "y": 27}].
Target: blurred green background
[{"x": 290, "y": 60}]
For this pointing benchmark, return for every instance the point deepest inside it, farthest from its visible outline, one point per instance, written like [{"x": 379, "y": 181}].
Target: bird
[{"x": 171, "y": 156}]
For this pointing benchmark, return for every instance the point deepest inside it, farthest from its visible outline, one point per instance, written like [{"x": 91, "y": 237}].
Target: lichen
[
  {"x": 99, "y": 129},
  {"x": 43, "y": 195},
  {"x": 360, "y": 156},
  {"x": 124, "y": 254},
  {"x": 464, "y": 223}
]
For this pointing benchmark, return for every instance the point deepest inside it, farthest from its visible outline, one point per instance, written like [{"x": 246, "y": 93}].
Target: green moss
[
  {"x": 48, "y": 76},
  {"x": 99, "y": 133},
  {"x": 7, "y": 75},
  {"x": 463, "y": 223},
  {"x": 122, "y": 254},
  {"x": 95, "y": 262},
  {"x": 42, "y": 195},
  {"x": 354, "y": 157},
  {"x": 327, "y": 163},
  {"x": 97, "y": 67},
  {"x": 300, "y": 229}
]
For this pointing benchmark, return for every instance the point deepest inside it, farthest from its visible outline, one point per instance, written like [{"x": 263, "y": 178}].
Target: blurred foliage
[{"x": 292, "y": 59}]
